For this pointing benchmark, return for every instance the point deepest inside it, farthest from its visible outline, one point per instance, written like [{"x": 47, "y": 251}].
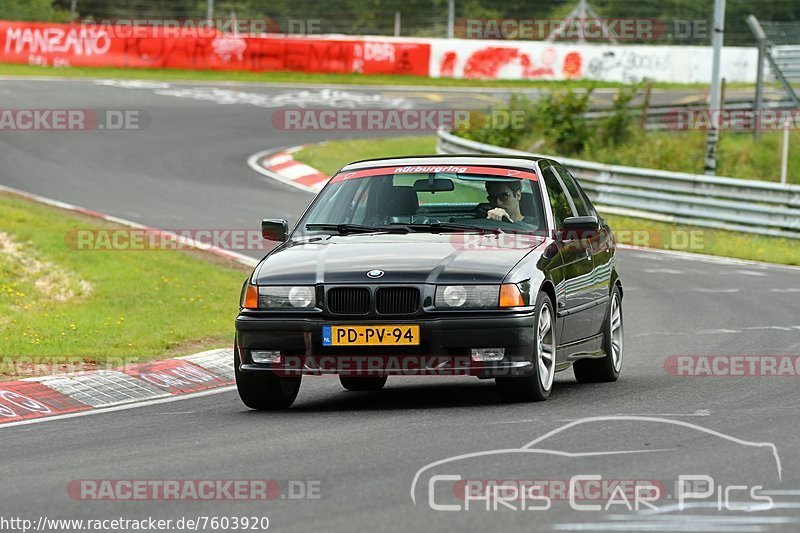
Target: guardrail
[
  {"x": 733, "y": 204},
  {"x": 664, "y": 117},
  {"x": 787, "y": 57}
]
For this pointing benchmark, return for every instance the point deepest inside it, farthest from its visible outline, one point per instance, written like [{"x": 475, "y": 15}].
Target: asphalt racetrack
[{"x": 364, "y": 454}]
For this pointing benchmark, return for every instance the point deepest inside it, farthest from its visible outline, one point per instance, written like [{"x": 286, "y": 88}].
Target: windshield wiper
[
  {"x": 344, "y": 229},
  {"x": 436, "y": 227}
]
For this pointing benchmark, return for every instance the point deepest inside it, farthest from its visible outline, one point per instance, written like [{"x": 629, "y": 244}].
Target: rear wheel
[
  {"x": 537, "y": 386},
  {"x": 264, "y": 390},
  {"x": 607, "y": 368},
  {"x": 362, "y": 383}
]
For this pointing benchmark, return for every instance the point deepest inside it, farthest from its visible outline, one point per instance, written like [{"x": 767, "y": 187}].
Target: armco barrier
[{"x": 726, "y": 203}]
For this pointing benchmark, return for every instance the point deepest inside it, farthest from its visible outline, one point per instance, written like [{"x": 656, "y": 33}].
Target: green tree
[{"x": 32, "y": 10}]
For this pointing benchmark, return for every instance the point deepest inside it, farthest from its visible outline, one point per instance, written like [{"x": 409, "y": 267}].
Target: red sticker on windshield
[{"x": 444, "y": 169}]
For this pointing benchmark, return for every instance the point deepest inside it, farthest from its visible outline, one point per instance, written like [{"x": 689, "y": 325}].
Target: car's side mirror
[
  {"x": 582, "y": 223},
  {"x": 274, "y": 229},
  {"x": 580, "y": 227}
]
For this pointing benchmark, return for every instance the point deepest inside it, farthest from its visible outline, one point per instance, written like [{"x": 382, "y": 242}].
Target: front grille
[
  {"x": 397, "y": 300},
  {"x": 348, "y": 301}
]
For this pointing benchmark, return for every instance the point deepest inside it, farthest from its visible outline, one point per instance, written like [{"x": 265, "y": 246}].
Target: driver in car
[{"x": 505, "y": 196}]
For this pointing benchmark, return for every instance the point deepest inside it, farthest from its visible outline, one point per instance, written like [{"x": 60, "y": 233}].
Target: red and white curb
[
  {"x": 64, "y": 395},
  {"x": 282, "y": 166},
  {"x": 32, "y": 399}
]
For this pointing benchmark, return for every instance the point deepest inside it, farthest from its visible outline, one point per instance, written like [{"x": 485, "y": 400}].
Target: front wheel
[
  {"x": 264, "y": 390},
  {"x": 538, "y": 385},
  {"x": 362, "y": 383},
  {"x": 607, "y": 368}
]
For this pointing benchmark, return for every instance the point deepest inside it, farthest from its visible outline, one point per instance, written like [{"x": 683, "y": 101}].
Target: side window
[
  {"x": 558, "y": 198},
  {"x": 574, "y": 192}
]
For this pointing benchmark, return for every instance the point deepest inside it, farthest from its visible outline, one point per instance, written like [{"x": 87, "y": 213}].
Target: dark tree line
[{"x": 418, "y": 17}]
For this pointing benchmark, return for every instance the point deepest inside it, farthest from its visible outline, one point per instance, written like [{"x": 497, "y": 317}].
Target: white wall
[{"x": 461, "y": 58}]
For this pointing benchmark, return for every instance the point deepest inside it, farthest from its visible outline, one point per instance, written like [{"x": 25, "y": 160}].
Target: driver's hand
[{"x": 498, "y": 213}]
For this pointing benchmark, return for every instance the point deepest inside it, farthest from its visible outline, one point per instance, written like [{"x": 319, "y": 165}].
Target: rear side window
[
  {"x": 558, "y": 198},
  {"x": 574, "y": 193}
]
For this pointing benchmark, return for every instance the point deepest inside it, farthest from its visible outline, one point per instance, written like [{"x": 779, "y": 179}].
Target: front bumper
[{"x": 444, "y": 349}]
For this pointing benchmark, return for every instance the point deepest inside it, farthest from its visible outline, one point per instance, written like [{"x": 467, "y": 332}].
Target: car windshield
[{"x": 479, "y": 199}]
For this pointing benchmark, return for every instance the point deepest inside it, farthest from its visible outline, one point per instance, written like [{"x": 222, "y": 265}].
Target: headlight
[
  {"x": 467, "y": 296},
  {"x": 286, "y": 297}
]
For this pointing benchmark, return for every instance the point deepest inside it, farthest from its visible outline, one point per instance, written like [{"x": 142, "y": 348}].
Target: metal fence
[{"x": 761, "y": 208}]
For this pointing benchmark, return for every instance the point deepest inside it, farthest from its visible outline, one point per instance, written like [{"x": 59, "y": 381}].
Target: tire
[
  {"x": 362, "y": 383},
  {"x": 537, "y": 386},
  {"x": 264, "y": 390},
  {"x": 607, "y": 368}
]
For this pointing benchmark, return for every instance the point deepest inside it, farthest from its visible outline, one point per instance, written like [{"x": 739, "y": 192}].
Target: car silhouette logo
[{"x": 374, "y": 274}]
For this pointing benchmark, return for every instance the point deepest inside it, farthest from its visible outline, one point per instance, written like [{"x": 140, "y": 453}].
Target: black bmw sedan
[{"x": 494, "y": 267}]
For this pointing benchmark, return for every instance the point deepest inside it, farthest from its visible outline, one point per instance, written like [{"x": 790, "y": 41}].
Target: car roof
[{"x": 528, "y": 163}]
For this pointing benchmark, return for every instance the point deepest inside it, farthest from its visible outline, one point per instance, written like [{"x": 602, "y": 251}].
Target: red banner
[{"x": 110, "y": 45}]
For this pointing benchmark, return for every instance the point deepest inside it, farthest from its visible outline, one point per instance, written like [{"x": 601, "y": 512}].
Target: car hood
[{"x": 404, "y": 258}]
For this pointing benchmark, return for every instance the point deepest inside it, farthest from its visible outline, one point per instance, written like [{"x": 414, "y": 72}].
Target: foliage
[
  {"x": 557, "y": 122},
  {"x": 618, "y": 126},
  {"x": 32, "y": 10},
  {"x": 429, "y": 17},
  {"x": 559, "y": 118},
  {"x": 491, "y": 127},
  {"x": 740, "y": 156}
]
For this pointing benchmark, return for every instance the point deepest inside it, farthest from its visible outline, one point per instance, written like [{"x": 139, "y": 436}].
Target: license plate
[{"x": 378, "y": 335}]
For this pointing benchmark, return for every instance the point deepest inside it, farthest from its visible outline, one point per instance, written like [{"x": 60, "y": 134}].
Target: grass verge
[
  {"x": 8, "y": 69},
  {"x": 739, "y": 154},
  {"x": 683, "y": 238},
  {"x": 331, "y": 156},
  {"x": 59, "y": 303},
  {"x": 555, "y": 125}
]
